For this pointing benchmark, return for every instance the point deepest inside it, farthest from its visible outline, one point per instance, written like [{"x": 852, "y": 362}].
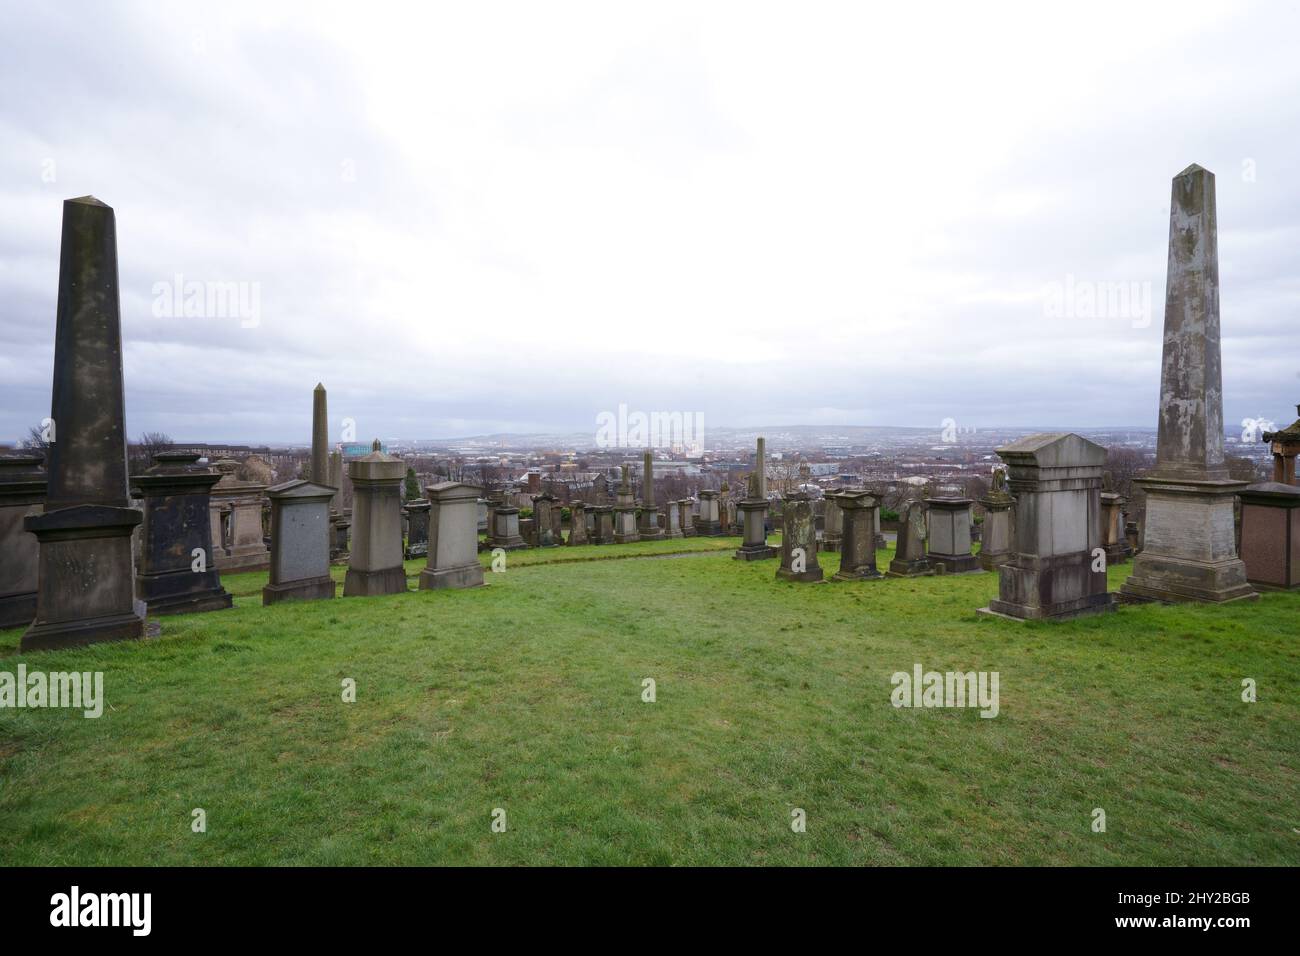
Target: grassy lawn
[{"x": 526, "y": 695}]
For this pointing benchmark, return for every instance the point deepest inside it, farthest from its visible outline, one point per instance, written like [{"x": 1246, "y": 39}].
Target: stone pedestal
[
  {"x": 999, "y": 513},
  {"x": 235, "y": 509},
  {"x": 949, "y": 535},
  {"x": 799, "y": 541},
  {"x": 754, "y": 546},
  {"x": 577, "y": 523},
  {"x": 672, "y": 521},
  {"x": 417, "y": 535},
  {"x": 625, "y": 530},
  {"x": 649, "y": 528},
  {"x": 300, "y": 559},
  {"x": 1113, "y": 538},
  {"x": 453, "y": 537},
  {"x": 910, "y": 560},
  {"x": 543, "y": 523},
  {"x": 857, "y": 511},
  {"x": 376, "y": 566},
  {"x": 832, "y": 522},
  {"x": 22, "y": 493},
  {"x": 176, "y": 526},
  {"x": 505, "y": 529},
  {"x": 1189, "y": 539},
  {"x": 1270, "y": 535},
  {"x": 603, "y": 530},
  {"x": 1056, "y": 481},
  {"x": 686, "y": 517},
  {"x": 709, "y": 523},
  {"x": 86, "y": 581},
  {"x": 339, "y": 533}
]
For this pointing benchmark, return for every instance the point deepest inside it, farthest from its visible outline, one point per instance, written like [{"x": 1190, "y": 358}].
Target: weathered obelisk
[
  {"x": 86, "y": 591},
  {"x": 1191, "y": 552},
  {"x": 320, "y": 438},
  {"x": 650, "y": 530}
]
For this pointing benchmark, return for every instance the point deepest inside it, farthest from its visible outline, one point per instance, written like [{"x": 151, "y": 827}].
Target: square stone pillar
[
  {"x": 375, "y": 566},
  {"x": 672, "y": 521},
  {"x": 857, "y": 510},
  {"x": 453, "y": 537},
  {"x": 177, "y": 574},
  {"x": 686, "y": 517},
  {"x": 995, "y": 541},
  {"x": 543, "y": 522},
  {"x": 505, "y": 529},
  {"x": 754, "y": 546},
  {"x": 577, "y": 523},
  {"x": 910, "y": 559},
  {"x": 1270, "y": 535},
  {"x": 22, "y": 493},
  {"x": 949, "y": 535},
  {"x": 417, "y": 523},
  {"x": 1113, "y": 538},
  {"x": 709, "y": 524},
  {"x": 799, "y": 541},
  {"x": 649, "y": 528},
  {"x": 1056, "y": 552},
  {"x": 300, "y": 556},
  {"x": 832, "y": 522},
  {"x": 603, "y": 532}
]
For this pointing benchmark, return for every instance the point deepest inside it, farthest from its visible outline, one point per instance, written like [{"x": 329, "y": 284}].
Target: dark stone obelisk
[
  {"x": 320, "y": 438},
  {"x": 85, "y": 593},
  {"x": 1190, "y": 549}
]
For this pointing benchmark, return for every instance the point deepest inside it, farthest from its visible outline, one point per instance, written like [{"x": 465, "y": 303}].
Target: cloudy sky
[{"x": 472, "y": 218}]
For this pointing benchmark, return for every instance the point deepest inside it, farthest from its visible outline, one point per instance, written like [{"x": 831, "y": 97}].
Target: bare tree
[
  {"x": 36, "y": 439},
  {"x": 140, "y": 454}
]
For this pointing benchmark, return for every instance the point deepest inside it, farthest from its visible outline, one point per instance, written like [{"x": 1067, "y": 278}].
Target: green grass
[{"x": 526, "y": 695}]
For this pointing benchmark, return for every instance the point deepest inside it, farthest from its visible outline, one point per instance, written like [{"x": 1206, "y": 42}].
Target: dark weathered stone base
[
  {"x": 366, "y": 583},
  {"x": 909, "y": 569},
  {"x": 507, "y": 544},
  {"x": 872, "y": 574},
  {"x": 52, "y": 637},
  {"x": 417, "y": 551},
  {"x": 1118, "y": 554},
  {"x": 992, "y": 560},
  {"x": 239, "y": 563},
  {"x": 831, "y": 545},
  {"x": 881, "y": 543},
  {"x": 955, "y": 563},
  {"x": 672, "y": 534},
  {"x": 18, "y": 610},
  {"x": 1092, "y": 604},
  {"x": 811, "y": 576},
  {"x": 755, "y": 552},
  {"x": 1159, "y": 578},
  {"x": 312, "y": 589},
  {"x": 626, "y": 538},
  {"x": 466, "y": 576},
  {"x": 708, "y": 529},
  {"x": 218, "y": 600}
]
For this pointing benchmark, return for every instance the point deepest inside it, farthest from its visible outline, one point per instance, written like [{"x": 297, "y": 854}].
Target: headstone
[
  {"x": 86, "y": 583},
  {"x": 1270, "y": 534},
  {"x": 995, "y": 541},
  {"x": 505, "y": 529},
  {"x": 949, "y": 534},
  {"x": 709, "y": 523},
  {"x": 482, "y": 516},
  {"x": 857, "y": 540},
  {"x": 625, "y": 530},
  {"x": 649, "y": 529},
  {"x": 799, "y": 541},
  {"x": 909, "y": 556},
  {"x": 235, "y": 507},
  {"x": 672, "y": 516},
  {"x": 417, "y": 523},
  {"x": 1057, "y": 565},
  {"x": 300, "y": 558},
  {"x": 22, "y": 493},
  {"x": 754, "y": 546},
  {"x": 557, "y": 524},
  {"x": 832, "y": 522},
  {"x": 453, "y": 537},
  {"x": 339, "y": 522},
  {"x": 177, "y": 574},
  {"x": 1189, "y": 538},
  {"x": 881, "y": 543},
  {"x": 603, "y": 531},
  {"x": 375, "y": 566},
  {"x": 543, "y": 527},
  {"x": 577, "y": 523},
  {"x": 686, "y": 517},
  {"x": 1112, "y": 523}
]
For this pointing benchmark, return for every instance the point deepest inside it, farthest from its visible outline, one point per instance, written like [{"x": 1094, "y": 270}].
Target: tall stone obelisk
[
  {"x": 760, "y": 467},
  {"x": 1190, "y": 544},
  {"x": 650, "y": 529},
  {"x": 320, "y": 437},
  {"x": 86, "y": 589}
]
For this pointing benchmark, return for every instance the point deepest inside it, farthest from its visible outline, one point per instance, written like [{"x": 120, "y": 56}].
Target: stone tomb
[
  {"x": 708, "y": 524},
  {"x": 685, "y": 517},
  {"x": 176, "y": 573},
  {"x": 1270, "y": 534},
  {"x": 832, "y": 522},
  {"x": 1113, "y": 538},
  {"x": 235, "y": 509},
  {"x": 672, "y": 520},
  {"x": 857, "y": 510},
  {"x": 1056, "y": 481},
  {"x": 22, "y": 493},
  {"x": 577, "y": 523},
  {"x": 949, "y": 534},
  {"x": 909, "y": 556},
  {"x": 799, "y": 541},
  {"x": 505, "y": 529},
  {"x": 417, "y": 523},
  {"x": 625, "y": 530},
  {"x": 300, "y": 557},
  {"x": 86, "y": 584},
  {"x": 999, "y": 508},
  {"x": 375, "y": 565},
  {"x": 453, "y": 537},
  {"x": 543, "y": 524},
  {"x": 603, "y": 524}
]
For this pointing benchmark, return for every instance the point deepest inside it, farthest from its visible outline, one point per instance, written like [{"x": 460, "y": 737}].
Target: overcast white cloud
[{"x": 470, "y": 218}]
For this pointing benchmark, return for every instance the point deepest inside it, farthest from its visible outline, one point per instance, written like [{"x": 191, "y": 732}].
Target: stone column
[
  {"x": 176, "y": 526},
  {"x": 1112, "y": 523},
  {"x": 505, "y": 529},
  {"x": 320, "y": 438},
  {"x": 1189, "y": 539},
  {"x": 577, "y": 523},
  {"x": 799, "y": 541},
  {"x": 858, "y": 540},
  {"x": 909, "y": 555},
  {"x": 417, "y": 539},
  {"x": 949, "y": 535},
  {"x": 625, "y": 530},
  {"x": 300, "y": 557},
  {"x": 1053, "y": 572},
  {"x": 709, "y": 524},
  {"x": 604, "y": 529},
  {"x": 754, "y": 546},
  {"x": 375, "y": 566},
  {"x": 453, "y": 537},
  {"x": 1270, "y": 535},
  {"x": 760, "y": 468},
  {"x": 672, "y": 521},
  {"x": 86, "y": 524},
  {"x": 995, "y": 542},
  {"x": 832, "y": 522},
  {"x": 22, "y": 493},
  {"x": 649, "y": 527},
  {"x": 685, "y": 517}
]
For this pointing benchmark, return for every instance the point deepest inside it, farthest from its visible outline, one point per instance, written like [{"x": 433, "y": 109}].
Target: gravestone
[
  {"x": 686, "y": 517},
  {"x": 320, "y": 437},
  {"x": 649, "y": 527},
  {"x": 753, "y": 509},
  {"x": 672, "y": 520},
  {"x": 909, "y": 556},
  {"x": 949, "y": 534},
  {"x": 577, "y": 523},
  {"x": 417, "y": 523},
  {"x": 832, "y": 522},
  {"x": 857, "y": 541},
  {"x": 1284, "y": 445},
  {"x": 300, "y": 557},
  {"x": 453, "y": 537},
  {"x": 177, "y": 574},
  {"x": 235, "y": 509},
  {"x": 999, "y": 509},
  {"x": 22, "y": 493},
  {"x": 86, "y": 585},
  {"x": 543, "y": 526},
  {"x": 708, "y": 524},
  {"x": 1057, "y": 565},
  {"x": 340, "y": 521},
  {"x": 1270, "y": 534},
  {"x": 505, "y": 529},
  {"x": 799, "y": 541},
  {"x": 625, "y": 530},
  {"x": 1189, "y": 548},
  {"x": 603, "y": 529},
  {"x": 881, "y": 543},
  {"x": 375, "y": 566},
  {"x": 1112, "y": 523}
]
